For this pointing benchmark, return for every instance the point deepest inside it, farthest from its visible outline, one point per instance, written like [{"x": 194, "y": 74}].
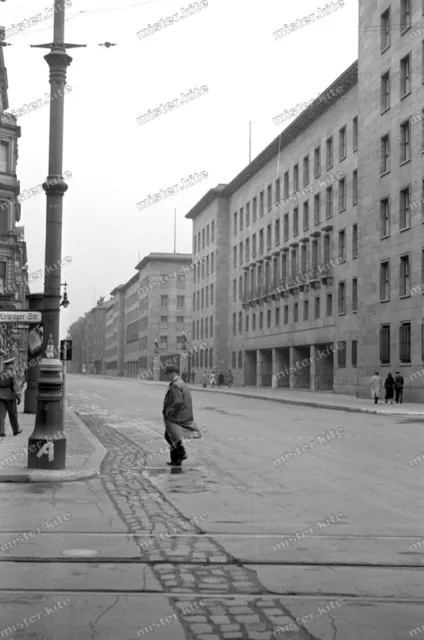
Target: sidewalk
[
  {"x": 322, "y": 400},
  {"x": 84, "y": 453}
]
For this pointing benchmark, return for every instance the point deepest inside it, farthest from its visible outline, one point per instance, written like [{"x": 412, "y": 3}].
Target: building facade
[{"x": 132, "y": 326}]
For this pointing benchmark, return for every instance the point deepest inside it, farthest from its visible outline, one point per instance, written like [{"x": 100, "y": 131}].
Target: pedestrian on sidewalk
[
  {"x": 375, "y": 385},
  {"x": 220, "y": 379},
  {"x": 389, "y": 385},
  {"x": 399, "y": 381},
  {"x": 204, "y": 380},
  {"x": 193, "y": 376},
  {"x": 178, "y": 416},
  {"x": 10, "y": 397},
  {"x": 212, "y": 379},
  {"x": 184, "y": 376},
  {"x": 230, "y": 378}
]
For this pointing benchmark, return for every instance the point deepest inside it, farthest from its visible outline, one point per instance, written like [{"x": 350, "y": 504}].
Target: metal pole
[
  {"x": 47, "y": 443},
  {"x": 64, "y": 387}
]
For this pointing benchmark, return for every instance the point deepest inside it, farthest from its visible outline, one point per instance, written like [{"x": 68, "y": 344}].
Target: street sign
[
  {"x": 66, "y": 349},
  {"x": 31, "y": 317}
]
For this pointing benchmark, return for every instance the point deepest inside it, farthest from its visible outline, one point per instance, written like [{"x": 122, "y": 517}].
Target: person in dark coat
[
  {"x": 399, "y": 387},
  {"x": 230, "y": 378},
  {"x": 184, "y": 376},
  {"x": 178, "y": 416},
  {"x": 389, "y": 385},
  {"x": 193, "y": 376},
  {"x": 10, "y": 397},
  {"x": 221, "y": 379}
]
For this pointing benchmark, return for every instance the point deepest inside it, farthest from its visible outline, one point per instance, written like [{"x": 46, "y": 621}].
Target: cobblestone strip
[{"x": 144, "y": 509}]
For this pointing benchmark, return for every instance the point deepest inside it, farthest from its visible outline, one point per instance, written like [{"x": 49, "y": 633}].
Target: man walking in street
[
  {"x": 220, "y": 379},
  {"x": 193, "y": 376},
  {"x": 204, "y": 380},
  {"x": 399, "y": 381},
  {"x": 10, "y": 397},
  {"x": 375, "y": 385},
  {"x": 184, "y": 376},
  {"x": 230, "y": 378},
  {"x": 178, "y": 416}
]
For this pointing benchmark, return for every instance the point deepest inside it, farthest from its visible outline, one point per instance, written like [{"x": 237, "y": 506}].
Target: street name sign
[{"x": 29, "y": 317}]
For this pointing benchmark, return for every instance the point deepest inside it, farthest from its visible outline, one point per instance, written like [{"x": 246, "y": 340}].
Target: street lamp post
[{"x": 47, "y": 443}]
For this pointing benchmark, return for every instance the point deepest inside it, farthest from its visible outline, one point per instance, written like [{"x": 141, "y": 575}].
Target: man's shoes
[
  {"x": 2, "y": 435},
  {"x": 18, "y": 432}
]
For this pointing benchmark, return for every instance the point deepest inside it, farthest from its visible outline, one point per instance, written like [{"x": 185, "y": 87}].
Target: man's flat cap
[{"x": 172, "y": 369}]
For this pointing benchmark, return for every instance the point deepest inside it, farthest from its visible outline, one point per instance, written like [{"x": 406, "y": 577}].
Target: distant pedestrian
[
  {"x": 230, "y": 378},
  {"x": 193, "y": 376},
  {"x": 10, "y": 397},
  {"x": 212, "y": 379},
  {"x": 221, "y": 379},
  {"x": 375, "y": 385},
  {"x": 204, "y": 380},
  {"x": 399, "y": 381},
  {"x": 389, "y": 385},
  {"x": 178, "y": 416},
  {"x": 184, "y": 376}
]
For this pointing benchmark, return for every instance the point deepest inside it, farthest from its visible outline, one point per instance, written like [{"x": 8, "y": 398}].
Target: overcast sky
[{"x": 115, "y": 162}]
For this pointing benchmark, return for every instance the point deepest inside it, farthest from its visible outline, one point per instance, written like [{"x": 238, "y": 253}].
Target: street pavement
[{"x": 242, "y": 542}]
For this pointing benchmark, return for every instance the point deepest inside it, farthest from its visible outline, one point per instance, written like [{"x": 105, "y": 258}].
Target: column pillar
[
  {"x": 275, "y": 367},
  {"x": 312, "y": 369},
  {"x": 291, "y": 373},
  {"x": 258, "y": 368},
  {"x": 156, "y": 367}
]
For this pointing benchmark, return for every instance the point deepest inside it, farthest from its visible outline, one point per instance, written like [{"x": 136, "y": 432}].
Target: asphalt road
[{"x": 344, "y": 514}]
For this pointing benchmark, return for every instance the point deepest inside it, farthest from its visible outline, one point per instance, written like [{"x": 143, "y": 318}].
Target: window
[
  {"x": 354, "y": 353},
  {"x": 277, "y": 317},
  {"x": 254, "y": 209},
  {"x": 405, "y": 142},
  {"x": 286, "y": 314},
  {"x": 342, "y": 245},
  {"x": 240, "y": 322},
  {"x": 317, "y": 307},
  {"x": 180, "y": 320},
  {"x": 163, "y": 342},
  {"x": 163, "y": 322},
  {"x": 385, "y": 30},
  {"x": 342, "y": 143},
  {"x": 235, "y": 223},
  {"x": 240, "y": 359},
  {"x": 342, "y": 195},
  {"x": 329, "y": 304},
  {"x": 211, "y": 326},
  {"x": 296, "y": 221},
  {"x": 261, "y": 203},
  {"x": 329, "y": 203},
  {"x": 286, "y": 227},
  {"x": 385, "y": 344},
  {"x": 208, "y": 238},
  {"x": 247, "y": 323},
  {"x": 203, "y": 239},
  {"x": 354, "y": 241},
  {"x": 269, "y": 237},
  {"x": 261, "y": 241},
  {"x": 284, "y": 267},
  {"x": 303, "y": 259},
  {"x": 203, "y": 300},
  {"x": 277, "y": 233},
  {"x": 327, "y": 248},
  {"x": 211, "y": 294},
  {"x": 286, "y": 185},
  {"x": 261, "y": 320},
  {"x": 355, "y": 134},
  {"x": 405, "y": 76},
  {"x": 385, "y": 154},
  {"x": 405, "y": 15},
  {"x": 4, "y": 157},
  {"x": 194, "y": 301},
  {"x": 342, "y": 298},
  {"x": 248, "y": 214},
  {"x": 213, "y": 231},
  {"x": 197, "y": 330},
  {"x": 405, "y": 211},
  {"x": 404, "y": 276},
  {"x": 341, "y": 354},
  {"x": 305, "y": 171},
  {"x": 247, "y": 249},
  {"x": 194, "y": 247},
  {"x": 317, "y": 208},
  {"x": 203, "y": 267},
  {"x": 317, "y": 162},
  {"x": 241, "y": 253},
  {"x": 269, "y": 198},
  {"x": 234, "y": 290},
  {"x": 305, "y": 310},
  {"x": 305, "y": 216},
  {"x": 234, "y": 324},
  {"x": 268, "y": 318},
  {"x": 4, "y": 217},
  {"x": 212, "y": 261},
  {"x": 329, "y": 153},
  {"x": 164, "y": 302},
  {"x": 201, "y": 359},
  {"x": 295, "y": 178},
  {"x": 295, "y": 312},
  {"x": 384, "y": 218},
  {"x": 234, "y": 257},
  {"x": 405, "y": 342},
  {"x": 253, "y": 321},
  {"x": 254, "y": 245},
  {"x": 355, "y": 187},
  {"x": 354, "y": 294},
  {"x": 385, "y": 92},
  {"x": 207, "y": 265},
  {"x": 277, "y": 191},
  {"x": 234, "y": 359},
  {"x": 241, "y": 288},
  {"x": 241, "y": 219}
]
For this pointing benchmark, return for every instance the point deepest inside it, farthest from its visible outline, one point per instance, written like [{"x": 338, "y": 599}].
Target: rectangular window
[
  {"x": 355, "y": 187},
  {"x": 305, "y": 171},
  {"x": 254, "y": 209},
  {"x": 405, "y": 15},
  {"x": 4, "y": 217},
  {"x": 303, "y": 259},
  {"x": 241, "y": 253},
  {"x": 385, "y": 154},
  {"x": 354, "y": 241},
  {"x": 354, "y": 353},
  {"x": 253, "y": 321},
  {"x": 234, "y": 359},
  {"x": 329, "y": 304},
  {"x": 342, "y": 246},
  {"x": 213, "y": 231},
  {"x": 206, "y": 327},
  {"x": 4, "y": 157},
  {"x": 385, "y": 344},
  {"x": 261, "y": 320},
  {"x": 286, "y": 185},
  {"x": 295, "y": 178},
  {"x": 329, "y": 153},
  {"x": 203, "y": 239},
  {"x": 277, "y": 317},
  {"x": 277, "y": 233},
  {"x": 234, "y": 324},
  {"x": 163, "y": 340},
  {"x": 163, "y": 322},
  {"x": 234, "y": 257},
  {"x": 203, "y": 299},
  {"x": 261, "y": 241},
  {"x": 234, "y": 290},
  {"x": 405, "y": 343},
  {"x": 268, "y": 319},
  {"x": 305, "y": 216},
  {"x": 296, "y": 312},
  {"x": 247, "y": 323},
  {"x": 247, "y": 249},
  {"x": 211, "y": 326},
  {"x": 342, "y": 195},
  {"x": 385, "y": 91},
  {"x": 261, "y": 203},
  {"x": 342, "y": 298},
  {"x": 405, "y": 142},
  {"x": 342, "y": 143},
  {"x": 207, "y": 296},
  {"x": 329, "y": 203},
  {"x": 241, "y": 288},
  {"x": 254, "y": 245},
  {"x": 269, "y": 198},
  {"x": 405, "y": 210},
  {"x": 405, "y": 289},
  {"x": 384, "y": 281},
  {"x": 241, "y": 219},
  {"x": 180, "y": 302},
  {"x": 296, "y": 221},
  {"x": 248, "y": 214},
  {"x": 405, "y": 76},
  {"x": 355, "y": 135},
  {"x": 211, "y": 294},
  {"x": 317, "y": 307},
  {"x": 235, "y": 223},
  {"x": 164, "y": 302},
  {"x": 305, "y": 311},
  {"x": 384, "y": 218},
  {"x": 385, "y": 30},
  {"x": 286, "y": 227},
  {"x": 240, "y": 359},
  {"x": 212, "y": 262},
  {"x": 207, "y": 265},
  {"x": 277, "y": 191},
  {"x": 240, "y": 322},
  {"x": 317, "y": 208},
  {"x": 269, "y": 237},
  {"x": 194, "y": 245},
  {"x": 286, "y": 315},
  {"x": 355, "y": 294},
  {"x": 202, "y": 329},
  {"x": 327, "y": 248},
  {"x": 341, "y": 354},
  {"x": 208, "y": 238},
  {"x": 317, "y": 162}
]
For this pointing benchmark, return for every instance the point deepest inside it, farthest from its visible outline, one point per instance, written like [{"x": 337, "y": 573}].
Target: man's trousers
[{"x": 10, "y": 407}]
